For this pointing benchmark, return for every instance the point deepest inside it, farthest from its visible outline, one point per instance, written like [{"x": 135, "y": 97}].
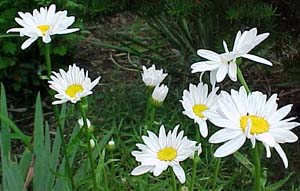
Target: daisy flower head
[
  {"x": 255, "y": 117},
  {"x": 222, "y": 64},
  {"x": 160, "y": 152},
  {"x": 43, "y": 23},
  {"x": 200, "y": 105},
  {"x": 71, "y": 85},
  {"x": 152, "y": 77},
  {"x": 159, "y": 94}
]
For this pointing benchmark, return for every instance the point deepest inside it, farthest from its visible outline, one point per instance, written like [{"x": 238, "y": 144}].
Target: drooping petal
[
  {"x": 179, "y": 172},
  {"x": 27, "y": 43},
  {"x": 282, "y": 155}
]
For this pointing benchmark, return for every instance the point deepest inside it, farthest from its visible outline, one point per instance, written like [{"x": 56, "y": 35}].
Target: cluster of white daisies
[{"x": 239, "y": 114}]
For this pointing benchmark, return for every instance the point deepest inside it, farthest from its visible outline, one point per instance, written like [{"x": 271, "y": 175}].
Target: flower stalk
[
  {"x": 48, "y": 59},
  {"x": 83, "y": 110},
  {"x": 56, "y": 114},
  {"x": 256, "y": 155},
  {"x": 174, "y": 181}
]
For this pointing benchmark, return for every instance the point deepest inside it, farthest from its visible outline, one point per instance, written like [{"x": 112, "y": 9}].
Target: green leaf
[
  {"x": 54, "y": 161},
  {"x": 5, "y": 131},
  {"x": 278, "y": 184},
  {"x": 14, "y": 177},
  {"x": 4, "y": 139},
  {"x": 25, "y": 163},
  {"x": 41, "y": 167}
]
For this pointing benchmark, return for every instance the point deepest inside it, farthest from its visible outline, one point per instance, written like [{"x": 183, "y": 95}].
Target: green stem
[
  {"x": 242, "y": 79},
  {"x": 216, "y": 173},
  {"x": 56, "y": 113},
  {"x": 256, "y": 156},
  {"x": 105, "y": 179},
  {"x": 87, "y": 139},
  {"x": 193, "y": 174},
  {"x": 257, "y": 165},
  {"x": 152, "y": 115},
  {"x": 48, "y": 59},
  {"x": 173, "y": 180}
]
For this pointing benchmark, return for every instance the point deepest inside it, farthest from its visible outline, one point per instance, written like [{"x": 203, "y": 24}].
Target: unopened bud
[
  {"x": 92, "y": 143},
  {"x": 89, "y": 125},
  {"x": 184, "y": 188},
  {"x": 111, "y": 145},
  {"x": 159, "y": 94}
]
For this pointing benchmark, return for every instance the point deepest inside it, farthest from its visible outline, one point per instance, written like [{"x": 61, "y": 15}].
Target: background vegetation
[{"x": 117, "y": 37}]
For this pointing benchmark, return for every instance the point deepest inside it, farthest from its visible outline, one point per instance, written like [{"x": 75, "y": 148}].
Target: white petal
[
  {"x": 204, "y": 66},
  {"x": 282, "y": 155},
  {"x": 232, "y": 72},
  {"x": 27, "y": 43},
  {"x": 213, "y": 77},
  {"x": 142, "y": 169},
  {"x": 230, "y": 147},
  {"x": 46, "y": 39},
  {"x": 283, "y": 135},
  {"x": 67, "y": 31},
  {"x": 266, "y": 138},
  {"x": 224, "y": 135},
  {"x": 268, "y": 151},
  {"x": 220, "y": 122},
  {"x": 225, "y": 46},
  {"x": 179, "y": 172},
  {"x": 281, "y": 113},
  {"x": 257, "y": 59},
  {"x": 203, "y": 128},
  {"x": 159, "y": 168},
  {"x": 209, "y": 55},
  {"x": 221, "y": 73}
]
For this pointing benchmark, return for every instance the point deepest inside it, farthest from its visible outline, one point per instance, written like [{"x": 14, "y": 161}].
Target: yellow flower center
[
  {"x": 43, "y": 29},
  {"x": 258, "y": 124},
  {"x": 167, "y": 154},
  {"x": 198, "y": 110},
  {"x": 72, "y": 90}
]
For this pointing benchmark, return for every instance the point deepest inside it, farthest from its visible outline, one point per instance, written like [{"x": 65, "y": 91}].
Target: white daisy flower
[
  {"x": 43, "y": 23},
  {"x": 222, "y": 64},
  {"x": 199, "y": 105},
  {"x": 71, "y": 85},
  {"x": 160, "y": 152},
  {"x": 159, "y": 93},
  {"x": 153, "y": 77},
  {"x": 254, "y": 117}
]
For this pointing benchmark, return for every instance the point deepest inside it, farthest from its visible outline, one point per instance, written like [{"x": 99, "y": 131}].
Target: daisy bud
[
  {"x": 89, "y": 125},
  {"x": 111, "y": 145},
  {"x": 152, "y": 77},
  {"x": 184, "y": 188},
  {"x": 92, "y": 143},
  {"x": 159, "y": 94}
]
